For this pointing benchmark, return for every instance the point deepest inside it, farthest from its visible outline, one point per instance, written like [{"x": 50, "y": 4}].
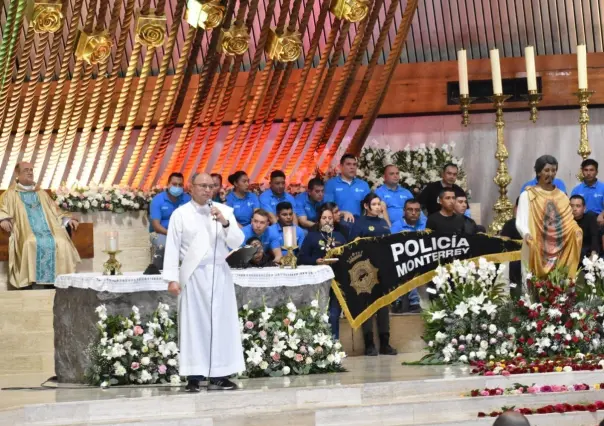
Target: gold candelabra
[
  {"x": 584, "y": 149},
  {"x": 464, "y": 106},
  {"x": 503, "y": 207},
  {"x": 533, "y": 100},
  {"x": 290, "y": 259},
  {"x": 112, "y": 266}
]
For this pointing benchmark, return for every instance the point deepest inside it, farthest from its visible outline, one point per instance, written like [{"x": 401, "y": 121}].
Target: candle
[
  {"x": 496, "y": 72},
  {"x": 582, "y": 65},
  {"x": 462, "y": 66},
  {"x": 289, "y": 236},
  {"x": 531, "y": 73},
  {"x": 111, "y": 241}
]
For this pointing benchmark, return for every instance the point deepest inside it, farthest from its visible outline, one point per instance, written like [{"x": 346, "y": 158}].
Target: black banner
[{"x": 373, "y": 272}]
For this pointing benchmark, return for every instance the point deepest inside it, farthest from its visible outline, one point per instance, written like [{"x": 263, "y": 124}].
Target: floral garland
[
  {"x": 520, "y": 365},
  {"x": 548, "y": 409},
  {"x": 418, "y": 167},
  {"x": 87, "y": 199},
  {"x": 289, "y": 340},
  {"x": 519, "y": 389},
  {"x": 131, "y": 351}
]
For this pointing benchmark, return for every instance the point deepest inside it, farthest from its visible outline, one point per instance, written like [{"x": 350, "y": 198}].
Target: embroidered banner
[{"x": 373, "y": 272}]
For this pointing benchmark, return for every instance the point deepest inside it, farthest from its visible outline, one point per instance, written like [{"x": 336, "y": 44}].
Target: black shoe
[
  {"x": 415, "y": 309},
  {"x": 221, "y": 383},
  {"x": 370, "y": 349},
  {"x": 193, "y": 386},
  {"x": 385, "y": 348}
]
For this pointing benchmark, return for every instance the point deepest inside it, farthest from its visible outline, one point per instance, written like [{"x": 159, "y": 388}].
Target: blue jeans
[
  {"x": 414, "y": 297},
  {"x": 335, "y": 310}
]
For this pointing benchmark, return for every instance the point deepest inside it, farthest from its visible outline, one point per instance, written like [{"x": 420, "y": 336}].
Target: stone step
[
  {"x": 17, "y": 363},
  {"x": 27, "y": 343},
  {"x": 27, "y": 301},
  {"x": 24, "y": 322}
]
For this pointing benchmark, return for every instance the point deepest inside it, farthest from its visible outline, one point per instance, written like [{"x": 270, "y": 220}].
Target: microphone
[{"x": 210, "y": 205}]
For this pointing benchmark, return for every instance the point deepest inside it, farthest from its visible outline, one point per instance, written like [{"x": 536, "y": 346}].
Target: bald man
[
  {"x": 39, "y": 246},
  {"x": 511, "y": 418},
  {"x": 195, "y": 269}
]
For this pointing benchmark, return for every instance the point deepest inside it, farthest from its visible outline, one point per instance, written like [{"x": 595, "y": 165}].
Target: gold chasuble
[
  {"x": 557, "y": 238},
  {"x": 39, "y": 246}
]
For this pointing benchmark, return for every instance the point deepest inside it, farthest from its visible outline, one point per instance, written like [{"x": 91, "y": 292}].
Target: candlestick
[
  {"x": 464, "y": 102},
  {"x": 496, "y": 72},
  {"x": 582, "y": 66},
  {"x": 531, "y": 73},
  {"x": 503, "y": 207},
  {"x": 462, "y": 66},
  {"x": 584, "y": 149},
  {"x": 533, "y": 98},
  {"x": 112, "y": 266},
  {"x": 111, "y": 241}
]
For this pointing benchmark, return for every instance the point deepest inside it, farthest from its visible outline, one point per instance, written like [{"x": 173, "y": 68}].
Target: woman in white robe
[{"x": 209, "y": 335}]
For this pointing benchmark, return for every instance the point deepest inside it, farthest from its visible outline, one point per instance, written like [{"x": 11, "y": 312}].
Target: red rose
[
  {"x": 481, "y": 414},
  {"x": 530, "y": 341},
  {"x": 559, "y": 408},
  {"x": 592, "y": 408},
  {"x": 579, "y": 407},
  {"x": 521, "y": 303},
  {"x": 569, "y": 323},
  {"x": 599, "y": 405},
  {"x": 474, "y": 393},
  {"x": 575, "y": 339}
]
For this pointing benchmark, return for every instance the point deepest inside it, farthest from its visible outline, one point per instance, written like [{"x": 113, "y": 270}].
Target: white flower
[
  {"x": 289, "y": 353},
  {"x": 119, "y": 369},
  {"x": 463, "y": 358},
  {"x": 145, "y": 360},
  {"x": 172, "y": 362},
  {"x": 325, "y": 318},
  {"x": 461, "y": 310},
  {"x": 438, "y": 315},
  {"x": 511, "y": 330},
  {"x": 175, "y": 380},
  {"x": 308, "y": 360},
  {"x": 484, "y": 344},
  {"x": 489, "y": 308},
  {"x": 440, "y": 337},
  {"x": 264, "y": 365},
  {"x": 554, "y": 313},
  {"x": 330, "y": 358},
  {"x": 291, "y": 316},
  {"x": 568, "y": 369},
  {"x": 286, "y": 370},
  {"x": 104, "y": 385},
  {"x": 299, "y": 324},
  {"x": 492, "y": 329},
  {"x": 146, "y": 377},
  {"x": 314, "y": 303},
  {"x": 291, "y": 307}
]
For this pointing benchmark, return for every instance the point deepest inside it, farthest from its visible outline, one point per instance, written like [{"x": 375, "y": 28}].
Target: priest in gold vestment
[
  {"x": 552, "y": 238},
  {"x": 39, "y": 246}
]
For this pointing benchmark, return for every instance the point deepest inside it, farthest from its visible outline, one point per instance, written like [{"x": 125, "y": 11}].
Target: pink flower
[
  {"x": 489, "y": 373},
  {"x": 249, "y": 325},
  {"x": 484, "y": 393},
  {"x": 262, "y": 334},
  {"x": 498, "y": 392},
  {"x": 299, "y": 357},
  {"x": 303, "y": 349},
  {"x": 138, "y": 330},
  {"x": 461, "y": 348},
  {"x": 162, "y": 369},
  {"x": 135, "y": 366},
  {"x": 276, "y": 356},
  {"x": 556, "y": 388},
  {"x": 533, "y": 389},
  {"x": 505, "y": 373},
  {"x": 286, "y": 321}
]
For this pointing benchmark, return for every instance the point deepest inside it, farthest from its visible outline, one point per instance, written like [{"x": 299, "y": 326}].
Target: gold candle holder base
[
  {"x": 289, "y": 260},
  {"x": 533, "y": 98},
  {"x": 503, "y": 206},
  {"x": 112, "y": 266},
  {"x": 584, "y": 149},
  {"x": 464, "y": 105}
]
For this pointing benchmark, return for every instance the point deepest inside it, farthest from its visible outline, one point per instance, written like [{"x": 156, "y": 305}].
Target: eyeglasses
[{"x": 205, "y": 186}]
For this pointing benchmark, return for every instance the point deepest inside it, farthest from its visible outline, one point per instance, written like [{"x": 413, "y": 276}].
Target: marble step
[
  {"x": 14, "y": 362},
  {"x": 25, "y": 322},
  {"x": 29, "y": 301},
  {"x": 27, "y": 342}
]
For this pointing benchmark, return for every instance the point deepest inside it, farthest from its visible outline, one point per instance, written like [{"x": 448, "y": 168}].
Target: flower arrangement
[
  {"x": 86, "y": 199},
  {"x": 519, "y": 389},
  {"x": 593, "y": 268},
  {"x": 131, "y": 351},
  {"x": 548, "y": 409},
  {"x": 559, "y": 364},
  {"x": 461, "y": 324},
  {"x": 418, "y": 167},
  {"x": 288, "y": 340}
]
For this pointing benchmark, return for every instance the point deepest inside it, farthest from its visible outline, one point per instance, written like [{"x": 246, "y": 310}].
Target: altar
[{"x": 78, "y": 295}]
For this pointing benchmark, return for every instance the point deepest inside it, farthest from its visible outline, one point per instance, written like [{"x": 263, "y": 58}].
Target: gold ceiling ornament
[
  {"x": 93, "y": 48},
  {"x": 235, "y": 41},
  {"x": 284, "y": 48},
  {"x": 151, "y": 29},
  {"x": 205, "y": 15},
  {"x": 350, "y": 10},
  {"x": 45, "y": 16}
]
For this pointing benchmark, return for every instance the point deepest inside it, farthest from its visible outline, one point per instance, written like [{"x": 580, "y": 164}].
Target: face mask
[
  {"x": 327, "y": 228},
  {"x": 175, "y": 191}
]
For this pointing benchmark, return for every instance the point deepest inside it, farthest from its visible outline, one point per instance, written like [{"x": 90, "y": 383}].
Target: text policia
[{"x": 416, "y": 253}]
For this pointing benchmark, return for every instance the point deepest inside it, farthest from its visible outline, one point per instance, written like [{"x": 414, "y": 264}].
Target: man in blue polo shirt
[
  {"x": 392, "y": 194},
  {"x": 308, "y": 202},
  {"x": 591, "y": 189},
  {"x": 259, "y": 229},
  {"x": 347, "y": 190},
  {"x": 275, "y": 195},
  {"x": 285, "y": 216},
  {"x": 161, "y": 208}
]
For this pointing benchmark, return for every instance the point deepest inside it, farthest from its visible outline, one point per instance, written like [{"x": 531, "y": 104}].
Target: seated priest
[
  {"x": 161, "y": 209},
  {"x": 261, "y": 258},
  {"x": 307, "y": 203},
  {"x": 259, "y": 228},
  {"x": 39, "y": 246},
  {"x": 588, "y": 221},
  {"x": 276, "y": 194},
  {"x": 285, "y": 217}
]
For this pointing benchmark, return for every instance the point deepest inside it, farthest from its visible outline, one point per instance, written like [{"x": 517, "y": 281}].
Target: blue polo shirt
[
  {"x": 394, "y": 199},
  {"x": 347, "y": 196},
  {"x": 162, "y": 208},
  {"x": 265, "y": 238},
  {"x": 403, "y": 226},
  {"x": 276, "y": 232},
  {"x": 533, "y": 182},
  {"x": 269, "y": 201},
  {"x": 243, "y": 208},
  {"x": 305, "y": 206},
  {"x": 594, "y": 195}
]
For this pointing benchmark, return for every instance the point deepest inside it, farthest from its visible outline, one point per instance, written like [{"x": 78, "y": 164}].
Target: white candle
[
  {"x": 111, "y": 241},
  {"x": 531, "y": 73},
  {"x": 289, "y": 236},
  {"x": 462, "y": 66},
  {"x": 582, "y": 65},
  {"x": 496, "y": 72}
]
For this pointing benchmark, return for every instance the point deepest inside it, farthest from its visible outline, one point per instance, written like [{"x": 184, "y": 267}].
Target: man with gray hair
[
  {"x": 511, "y": 418},
  {"x": 199, "y": 235}
]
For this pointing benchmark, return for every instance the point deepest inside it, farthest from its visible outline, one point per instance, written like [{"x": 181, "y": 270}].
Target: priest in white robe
[{"x": 198, "y": 238}]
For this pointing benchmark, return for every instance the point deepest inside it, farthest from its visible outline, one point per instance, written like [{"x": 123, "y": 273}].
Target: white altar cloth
[{"x": 132, "y": 282}]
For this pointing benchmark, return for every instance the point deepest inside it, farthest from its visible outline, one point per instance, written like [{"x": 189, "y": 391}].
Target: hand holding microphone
[{"x": 217, "y": 214}]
